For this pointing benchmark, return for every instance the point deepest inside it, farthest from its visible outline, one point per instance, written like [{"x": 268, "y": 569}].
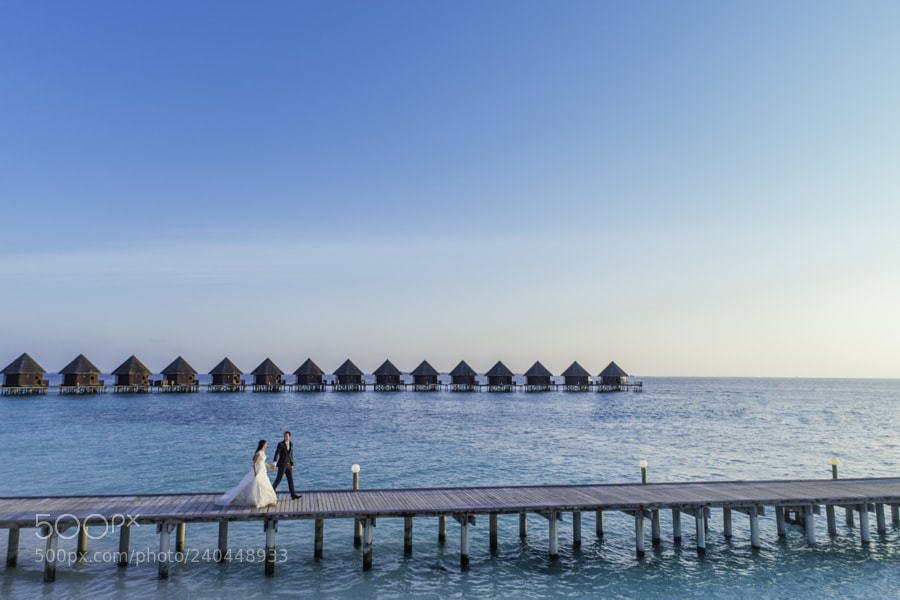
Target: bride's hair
[{"x": 259, "y": 446}]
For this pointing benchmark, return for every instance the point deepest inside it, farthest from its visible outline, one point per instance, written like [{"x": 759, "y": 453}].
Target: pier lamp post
[
  {"x": 834, "y": 463},
  {"x": 643, "y": 465},
  {"x": 357, "y": 524},
  {"x": 355, "y": 470}
]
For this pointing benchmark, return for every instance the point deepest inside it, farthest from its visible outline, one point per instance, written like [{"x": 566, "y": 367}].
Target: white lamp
[{"x": 355, "y": 468}]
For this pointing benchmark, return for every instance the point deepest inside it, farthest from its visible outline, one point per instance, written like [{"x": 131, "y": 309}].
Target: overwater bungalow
[
  {"x": 463, "y": 378},
  {"x": 538, "y": 378},
  {"x": 425, "y": 378},
  {"x": 613, "y": 379},
  {"x": 132, "y": 377},
  {"x": 267, "y": 377},
  {"x": 179, "y": 376},
  {"x": 500, "y": 378},
  {"x": 24, "y": 376},
  {"x": 576, "y": 378},
  {"x": 348, "y": 378},
  {"x": 310, "y": 378},
  {"x": 387, "y": 378},
  {"x": 80, "y": 377},
  {"x": 226, "y": 377}
]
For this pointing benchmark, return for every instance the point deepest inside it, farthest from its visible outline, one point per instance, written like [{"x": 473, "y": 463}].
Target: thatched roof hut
[
  {"x": 387, "y": 374},
  {"x": 24, "y": 372},
  {"x": 424, "y": 374},
  {"x": 576, "y": 376},
  {"x": 179, "y": 373},
  {"x": 538, "y": 375},
  {"x": 80, "y": 373},
  {"x": 226, "y": 373},
  {"x": 309, "y": 373},
  {"x": 463, "y": 374},
  {"x": 132, "y": 372},
  {"x": 613, "y": 374},
  {"x": 499, "y": 375},
  {"x": 348, "y": 374},
  {"x": 267, "y": 374}
]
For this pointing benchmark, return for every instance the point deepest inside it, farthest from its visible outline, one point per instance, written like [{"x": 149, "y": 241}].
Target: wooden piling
[
  {"x": 407, "y": 535},
  {"x": 864, "y": 523},
  {"x": 223, "y": 541},
  {"x": 829, "y": 517},
  {"x": 726, "y": 522},
  {"x": 50, "y": 556},
  {"x": 319, "y": 542},
  {"x": 699, "y": 518},
  {"x": 492, "y": 533},
  {"x": 442, "y": 529},
  {"x": 880, "y": 525},
  {"x": 12, "y": 548},
  {"x": 810, "y": 525},
  {"x": 368, "y": 532},
  {"x": 576, "y": 529},
  {"x": 676, "y": 526},
  {"x": 895, "y": 516},
  {"x": 554, "y": 538},
  {"x": 523, "y": 526},
  {"x": 179, "y": 538},
  {"x": 655, "y": 535},
  {"x": 81, "y": 549},
  {"x": 754, "y": 528},
  {"x": 779, "y": 522},
  {"x": 164, "y": 529},
  {"x": 848, "y": 515},
  {"x": 598, "y": 525},
  {"x": 639, "y": 533},
  {"x": 464, "y": 543},
  {"x": 124, "y": 545},
  {"x": 270, "y": 526}
]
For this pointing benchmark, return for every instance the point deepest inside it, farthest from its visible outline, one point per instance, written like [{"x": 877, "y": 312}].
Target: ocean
[{"x": 686, "y": 428}]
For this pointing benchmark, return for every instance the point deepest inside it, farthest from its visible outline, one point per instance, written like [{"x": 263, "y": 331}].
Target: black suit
[{"x": 284, "y": 460}]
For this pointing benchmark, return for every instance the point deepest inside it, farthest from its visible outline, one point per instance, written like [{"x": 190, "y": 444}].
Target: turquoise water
[{"x": 688, "y": 429}]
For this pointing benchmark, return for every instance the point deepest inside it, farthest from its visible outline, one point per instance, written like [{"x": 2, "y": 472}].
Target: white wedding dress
[{"x": 255, "y": 489}]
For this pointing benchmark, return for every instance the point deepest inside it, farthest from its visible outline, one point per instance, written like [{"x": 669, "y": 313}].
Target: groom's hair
[{"x": 287, "y": 433}]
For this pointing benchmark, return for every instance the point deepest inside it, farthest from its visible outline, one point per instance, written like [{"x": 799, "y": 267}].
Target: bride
[{"x": 254, "y": 489}]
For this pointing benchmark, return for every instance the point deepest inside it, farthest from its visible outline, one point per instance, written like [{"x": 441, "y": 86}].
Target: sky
[{"x": 688, "y": 188}]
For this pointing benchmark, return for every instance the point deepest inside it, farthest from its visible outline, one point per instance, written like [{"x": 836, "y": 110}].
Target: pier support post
[
  {"x": 492, "y": 533},
  {"x": 639, "y": 533},
  {"x": 319, "y": 543},
  {"x": 165, "y": 546},
  {"x": 880, "y": 525},
  {"x": 830, "y": 520},
  {"x": 655, "y": 536},
  {"x": 810, "y": 526},
  {"x": 754, "y": 528},
  {"x": 554, "y": 539},
  {"x": 726, "y": 522},
  {"x": 598, "y": 526},
  {"x": 81, "y": 549},
  {"x": 442, "y": 529},
  {"x": 576, "y": 529},
  {"x": 50, "y": 556},
  {"x": 848, "y": 515},
  {"x": 407, "y": 535},
  {"x": 368, "y": 532},
  {"x": 223, "y": 541},
  {"x": 464, "y": 543},
  {"x": 699, "y": 518},
  {"x": 12, "y": 548},
  {"x": 523, "y": 526},
  {"x": 779, "y": 522},
  {"x": 864, "y": 523},
  {"x": 895, "y": 516},
  {"x": 676, "y": 526},
  {"x": 124, "y": 545},
  {"x": 179, "y": 537},
  {"x": 271, "y": 528}
]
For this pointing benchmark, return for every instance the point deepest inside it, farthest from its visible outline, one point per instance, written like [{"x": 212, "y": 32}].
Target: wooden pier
[{"x": 640, "y": 502}]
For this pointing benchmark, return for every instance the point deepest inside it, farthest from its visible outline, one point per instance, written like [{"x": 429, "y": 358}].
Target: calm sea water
[{"x": 688, "y": 429}]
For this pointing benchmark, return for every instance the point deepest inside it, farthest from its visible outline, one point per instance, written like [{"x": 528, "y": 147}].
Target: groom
[{"x": 284, "y": 460}]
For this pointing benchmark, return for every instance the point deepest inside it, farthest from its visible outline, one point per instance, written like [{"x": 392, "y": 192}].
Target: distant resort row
[{"x": 24, "y": 376}]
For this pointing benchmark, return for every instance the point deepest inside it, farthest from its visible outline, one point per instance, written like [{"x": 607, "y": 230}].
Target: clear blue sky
[{"x": 687, "y": 187}]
